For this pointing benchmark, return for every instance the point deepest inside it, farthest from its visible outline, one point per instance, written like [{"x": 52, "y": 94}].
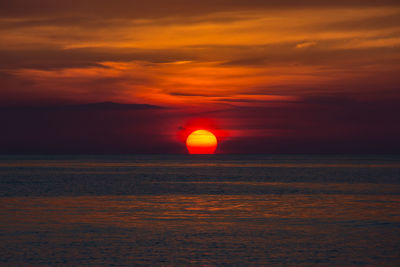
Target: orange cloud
[{"x": 246, "y": 53}]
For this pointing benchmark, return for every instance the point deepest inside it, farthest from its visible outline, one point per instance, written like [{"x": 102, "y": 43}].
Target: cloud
[
  {"x": 159, "y": 8},
  {"x": 317, "y": 124},
  {"x": 176, "y": 53},
  {"x": 306, "y": 44}
]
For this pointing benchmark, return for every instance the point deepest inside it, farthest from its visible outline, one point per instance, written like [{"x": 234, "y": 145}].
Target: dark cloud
[
  {"x": 327, "y": 53},
  {"x": 157, "y": 8},
  {"x": 375, "y": 22},
  {"x": 54, "y": 58},
  {"x": 328, "y": 124},
  {"x": 97, "y": 128},
  {"x": 200, "y": 94},
  {"x": 63, "y": 90}
]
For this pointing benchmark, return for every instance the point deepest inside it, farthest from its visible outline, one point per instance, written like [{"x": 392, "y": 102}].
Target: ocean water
[{"x": 215, "y": 210}]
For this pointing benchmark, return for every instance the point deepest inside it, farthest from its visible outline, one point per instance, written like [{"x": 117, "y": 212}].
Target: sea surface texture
[{"x": 218, "y": 210}]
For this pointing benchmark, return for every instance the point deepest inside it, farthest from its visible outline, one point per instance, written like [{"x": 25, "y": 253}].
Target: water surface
[{"x": 215, "y": 210}]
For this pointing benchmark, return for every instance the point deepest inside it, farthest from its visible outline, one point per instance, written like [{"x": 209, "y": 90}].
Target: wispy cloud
[{"x": 199, "y": 52}]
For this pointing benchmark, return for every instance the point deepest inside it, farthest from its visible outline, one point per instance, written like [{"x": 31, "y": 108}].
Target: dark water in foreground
[{"x": 261, "y": 210}]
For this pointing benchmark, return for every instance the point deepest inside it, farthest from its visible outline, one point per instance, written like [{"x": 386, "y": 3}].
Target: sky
[{"x": 266, "y": 76}]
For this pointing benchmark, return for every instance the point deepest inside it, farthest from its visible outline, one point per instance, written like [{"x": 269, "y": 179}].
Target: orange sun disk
[{"x": 201, "y": 142}]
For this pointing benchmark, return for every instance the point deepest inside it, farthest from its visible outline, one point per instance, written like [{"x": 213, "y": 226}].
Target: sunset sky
[{"x": 267, "y": 76}]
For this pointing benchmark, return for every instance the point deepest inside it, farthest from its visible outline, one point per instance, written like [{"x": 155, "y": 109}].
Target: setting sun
[{"x": 201, "y": 142}]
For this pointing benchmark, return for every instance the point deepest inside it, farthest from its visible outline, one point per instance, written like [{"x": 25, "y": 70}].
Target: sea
[{"x": 200, "y": 210}]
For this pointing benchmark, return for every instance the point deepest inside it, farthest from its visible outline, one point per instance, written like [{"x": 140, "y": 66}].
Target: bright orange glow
[{"x": 201, "y": 142}]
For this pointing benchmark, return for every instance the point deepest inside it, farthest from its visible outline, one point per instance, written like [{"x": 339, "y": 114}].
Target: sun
[{"x": 201, "y": 142}]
